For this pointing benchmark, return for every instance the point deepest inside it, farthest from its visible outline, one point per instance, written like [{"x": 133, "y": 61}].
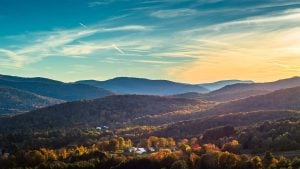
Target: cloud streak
[
  {"x": 99, "y": 3},
  {"x": 172, "y": 13},
  {"x": 63, "y": 43}
]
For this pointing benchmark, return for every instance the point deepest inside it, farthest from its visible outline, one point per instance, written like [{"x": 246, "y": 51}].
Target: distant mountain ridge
[
  {"x": 129, "y": 85},
  {"x": 240, "y": 91},
  {"x": 54, "y": 89},
  {"x": 43, "y": 90},
  {"x": 220, "y": 84},
  {"x": 28, "y": 79}
]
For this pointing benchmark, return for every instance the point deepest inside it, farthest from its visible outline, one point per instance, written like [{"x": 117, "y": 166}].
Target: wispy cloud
[
  {"x": 97, "y": 3},
  {"x": 171, "y": 13},
  {"x": 61, "y": 43},
  {"x": 11, "y": 57},
  {"x": 118, "y": 49},
  {"x": 243, "y": 49},
  {"x": 83, "y": 25},
  {"x": 116, "y": 60},
  {"x": 126, "y": 28}
]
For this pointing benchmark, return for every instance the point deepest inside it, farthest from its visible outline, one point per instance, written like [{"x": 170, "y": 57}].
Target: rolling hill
[
  {"x": 280, "y": 104},
  {"x": 189, "y": 95},
  {"x": 124, "y": 110},
  {"x": 54, "y": 89},
  {"x": 239, "y": 91},
  {"x": 111, "y": 111},
  {"x": 284, "y": 99},
  {"x": 195, "y": 127},
  {"x": 128, "y": 85},
  {"x": 18, "y": 101}
]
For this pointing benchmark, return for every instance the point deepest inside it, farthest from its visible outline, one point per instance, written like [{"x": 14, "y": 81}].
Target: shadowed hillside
[
  {"x": 111, "y": 111},
  {"x": 285, "y": 99},
  {"x": 279, "y": 104},
  {"x": 195, "y": 127},
  {"x": 17, "y": 101}
]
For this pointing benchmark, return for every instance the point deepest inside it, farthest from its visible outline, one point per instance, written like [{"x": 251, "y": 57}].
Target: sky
[{"x": 191, "y": 41}]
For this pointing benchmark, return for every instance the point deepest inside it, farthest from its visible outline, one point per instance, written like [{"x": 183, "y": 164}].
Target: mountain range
[
  {"x": 43, "y": 92},
  {"x": 244, "y": 90},
  {"x": 38, "y": 115},
  {"x": 46, "y": 92},
  {"x": 125, "y": 110},
  {"x": 54, "y": 89}
]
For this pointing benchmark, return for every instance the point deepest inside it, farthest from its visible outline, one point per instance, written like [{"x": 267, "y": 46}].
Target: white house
[
  {"x": 102, "y": 128},
  {"x": 138, "y": 150},
  {"x": 151, "y": 149}
]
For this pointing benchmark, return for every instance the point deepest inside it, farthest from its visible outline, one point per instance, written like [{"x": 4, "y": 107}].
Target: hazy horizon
[{"x": 148, "y": 79}]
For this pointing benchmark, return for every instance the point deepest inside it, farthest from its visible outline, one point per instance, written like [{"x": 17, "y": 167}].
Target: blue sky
[{"x": 181, "y": 40}]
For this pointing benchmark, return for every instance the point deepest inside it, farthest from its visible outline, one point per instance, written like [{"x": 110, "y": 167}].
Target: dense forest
[
  {"x": 221, "y": 147},
  {"x": 120, "y": 153}
]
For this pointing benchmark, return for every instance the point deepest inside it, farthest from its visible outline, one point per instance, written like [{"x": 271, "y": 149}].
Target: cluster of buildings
[
  {"x": 140, "y": 150},
  {"x": 102, "y": 128}
]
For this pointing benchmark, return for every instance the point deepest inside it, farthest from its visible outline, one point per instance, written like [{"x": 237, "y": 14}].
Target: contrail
[
  {"x": 118, "y": 49},
  {"x": 83, "y": 25}
]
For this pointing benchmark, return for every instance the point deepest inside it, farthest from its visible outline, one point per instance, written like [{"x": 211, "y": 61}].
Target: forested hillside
[
  {"x": 112, "y": 111},
  {"x": 18, "y": 101}
]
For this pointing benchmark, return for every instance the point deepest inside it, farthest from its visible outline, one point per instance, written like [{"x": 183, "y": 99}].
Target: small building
[
  {"x": 150, "y": 149},
  {"x": 102, "y": 128},
  {"x": 132, "y": 149},
  {"x": 138, "y": 150},
  {"x": 141, "y": 151}
]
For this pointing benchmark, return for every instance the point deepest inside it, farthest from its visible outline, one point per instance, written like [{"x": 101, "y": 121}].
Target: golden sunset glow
[{"x": 257, "y": 55}]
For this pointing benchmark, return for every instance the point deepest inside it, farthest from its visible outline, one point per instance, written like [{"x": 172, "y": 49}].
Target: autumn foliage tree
[{"x": 233, "y": 147}]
